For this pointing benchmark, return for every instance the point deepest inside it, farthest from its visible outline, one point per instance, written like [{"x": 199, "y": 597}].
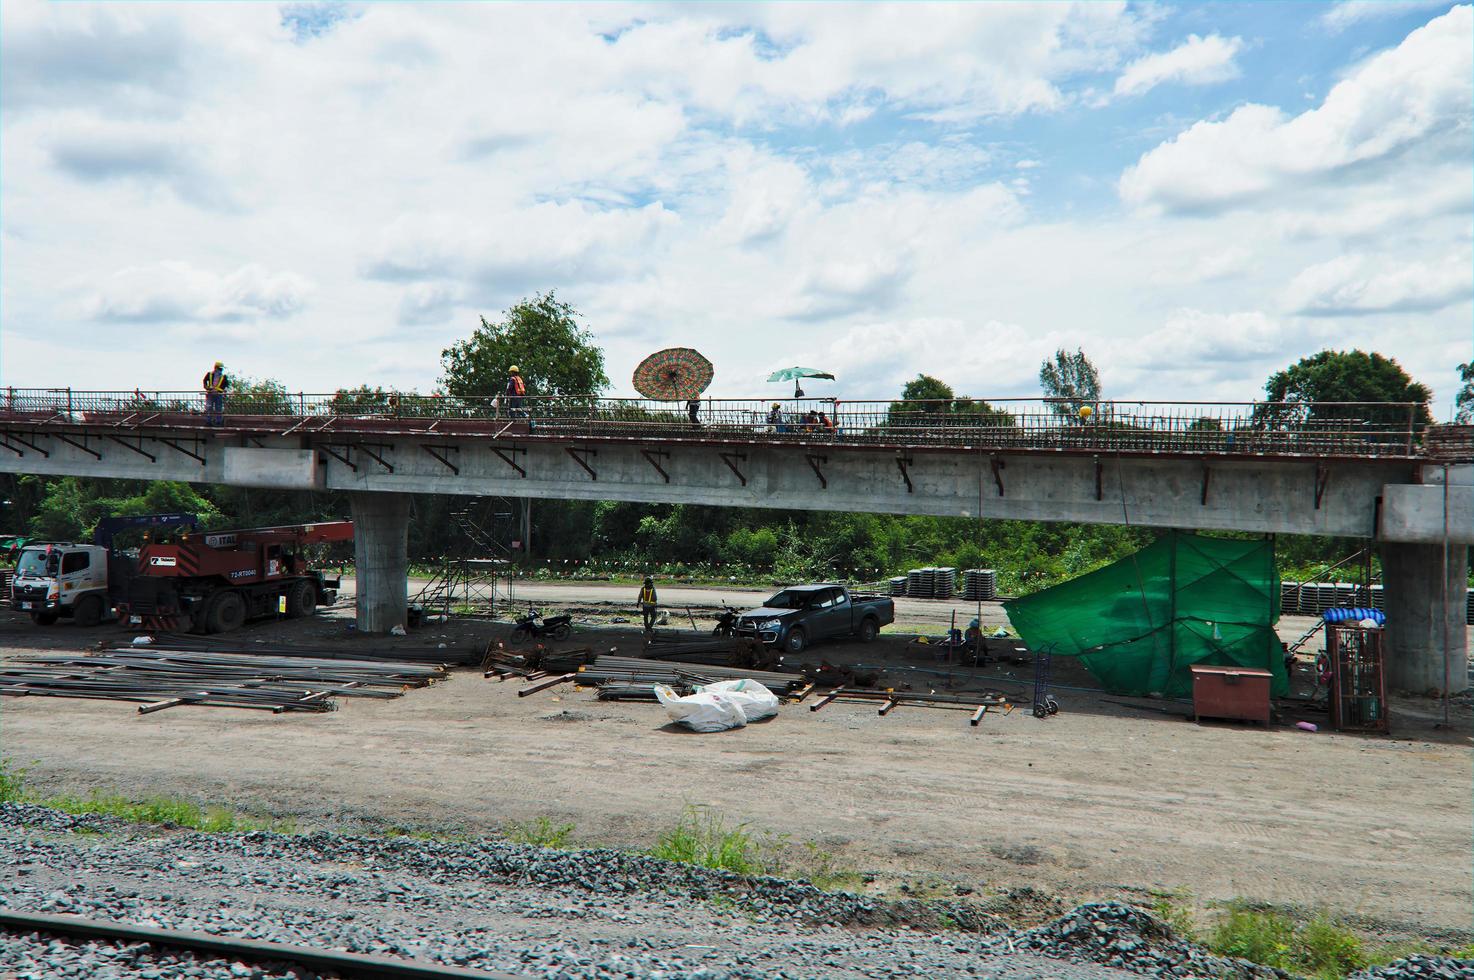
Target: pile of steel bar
[
  {"x": 184, "y": 641},
  {"x": 888, "y": 700},
  {"x": 502, "y": 664},
  {"x": 637, "y": 670},
  {"x": 169, "y": 678}
]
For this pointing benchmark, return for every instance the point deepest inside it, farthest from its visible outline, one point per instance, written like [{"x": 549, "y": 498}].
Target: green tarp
[{"x": 1138, "y": 624}]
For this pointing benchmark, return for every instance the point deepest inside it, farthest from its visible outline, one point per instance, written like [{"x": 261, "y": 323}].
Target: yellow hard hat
[
  {"x": 1086, "y": 411},
  {"x": 514, "y": 369},
  {"x": 220, "y": 364}
]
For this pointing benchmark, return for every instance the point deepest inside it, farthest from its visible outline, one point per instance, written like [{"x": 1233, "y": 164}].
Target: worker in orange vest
[
  {"x": 516, "y": 391},
  {"x": 215, "y": 382}
]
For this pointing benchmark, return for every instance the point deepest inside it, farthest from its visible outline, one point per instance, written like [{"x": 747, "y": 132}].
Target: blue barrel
[{"x": 1355, "y": 615}]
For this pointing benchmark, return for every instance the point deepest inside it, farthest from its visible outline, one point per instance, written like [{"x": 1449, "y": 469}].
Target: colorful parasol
[{"x": 673, "y": 374}]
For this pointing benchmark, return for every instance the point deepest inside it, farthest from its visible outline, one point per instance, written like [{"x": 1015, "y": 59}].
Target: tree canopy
[
  {"x": 944, "y": 400},
  {"x": 1072, "y": 379},
  {"x": 1464, "y": 400},
  {"x": 542, "y": 336},
  {"x": 1347, "y": 376}
]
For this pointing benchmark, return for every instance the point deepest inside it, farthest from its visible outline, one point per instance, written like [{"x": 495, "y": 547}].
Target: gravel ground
[{"x": 526, "y": 911}]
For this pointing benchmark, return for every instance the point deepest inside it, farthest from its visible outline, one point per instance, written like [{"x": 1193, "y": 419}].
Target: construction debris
[
  {"x": 167, "y": 679},
  {"x": 237, "y": 645}
]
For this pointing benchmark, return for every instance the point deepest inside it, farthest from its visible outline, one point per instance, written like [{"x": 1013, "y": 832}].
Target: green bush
[
  {"x": 703, "y": 838},
  {"x": 541, "y": 832}
]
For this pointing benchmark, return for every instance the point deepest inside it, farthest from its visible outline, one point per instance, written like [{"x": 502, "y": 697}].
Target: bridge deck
[{"x": 1290, "y": 430}]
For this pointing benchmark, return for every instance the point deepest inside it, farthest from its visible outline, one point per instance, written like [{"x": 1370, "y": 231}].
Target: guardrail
[{"x": 1370, "y": 429}]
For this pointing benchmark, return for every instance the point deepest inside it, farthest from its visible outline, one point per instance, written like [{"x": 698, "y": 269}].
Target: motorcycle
[
  {"x": 534, "y": 626},
  {"x": 726, "y": 622}
]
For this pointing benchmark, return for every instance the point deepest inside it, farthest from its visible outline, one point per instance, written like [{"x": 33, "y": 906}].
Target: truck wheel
[
  {"x": 301, "y": 600},
  {"x": 88, "y": 610},
  {"x": 43, "y": 618},
  {"x": 797, "y": 640},
  {"x": 226, "y": 612},
  {"x": 869, "y": 629}
]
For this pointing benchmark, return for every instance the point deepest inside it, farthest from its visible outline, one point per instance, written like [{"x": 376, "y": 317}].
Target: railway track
[{"x": 328, "y": 963}]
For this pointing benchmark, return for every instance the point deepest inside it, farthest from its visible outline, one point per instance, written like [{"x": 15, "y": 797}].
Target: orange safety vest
[
  {"x": 518, "y": 386},
  {"x": 647, "y": 595},
  {"x": 214, "y": 380}
]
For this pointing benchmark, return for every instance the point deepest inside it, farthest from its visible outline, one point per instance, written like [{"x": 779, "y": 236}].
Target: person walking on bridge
[
  {"x": 647, "y": 603},
  {"x": 215, "y": 383},
  {"x": 516, "y": 391}
]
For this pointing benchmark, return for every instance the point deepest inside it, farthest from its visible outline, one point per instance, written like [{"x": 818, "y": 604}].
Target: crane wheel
[
  {"x": 301, "y": 600},
  {"x": 226, "y": 612}
]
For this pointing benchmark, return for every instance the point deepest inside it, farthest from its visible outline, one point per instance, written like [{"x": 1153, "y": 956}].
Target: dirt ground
[{"x": 1101, "y": 799}]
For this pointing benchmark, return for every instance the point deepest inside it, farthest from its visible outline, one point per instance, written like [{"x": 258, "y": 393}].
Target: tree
[
  {"x": 1464, "y": 401},
  {"x": 942, "y": 400},
  {"x": 1071, "y": 379},
  {"x": 926, "y": 388},
  {"x": 1349, "y": 376},
  {"x": 543, "y": 338}
]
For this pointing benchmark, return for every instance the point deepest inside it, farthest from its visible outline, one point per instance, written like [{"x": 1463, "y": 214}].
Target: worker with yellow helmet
[
  {"x": 516, "y": 390},
  {"x": 215, "y": 382}
]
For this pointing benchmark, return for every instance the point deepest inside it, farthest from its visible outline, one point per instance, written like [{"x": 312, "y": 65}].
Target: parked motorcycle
[
  {"x": 534, "y": 626},
  {"x": 726, "y": 622}
]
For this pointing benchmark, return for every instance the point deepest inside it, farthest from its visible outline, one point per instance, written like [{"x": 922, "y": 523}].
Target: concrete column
[
  {"x": 380, "y": 552},
  {"x": 1419, "y": 622}
]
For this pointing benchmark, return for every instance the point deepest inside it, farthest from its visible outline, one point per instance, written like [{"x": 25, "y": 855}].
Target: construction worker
[
  {"x": 215, "y": 383},
  {"x": 775, "y": 418},
  {"x": 516, "y": 391},
  {"x": 693, "y": 411},
  {"x": 647, "y": 603}
]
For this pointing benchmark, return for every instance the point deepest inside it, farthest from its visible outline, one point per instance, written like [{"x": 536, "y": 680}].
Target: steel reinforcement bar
[{"x": 350, "y": 966}]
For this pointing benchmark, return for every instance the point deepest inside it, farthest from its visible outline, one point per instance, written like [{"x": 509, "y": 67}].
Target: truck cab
[{"x": 62, "y": 579}]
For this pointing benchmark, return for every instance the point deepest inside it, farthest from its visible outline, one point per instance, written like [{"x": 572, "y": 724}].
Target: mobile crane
[{"x": 212, "y": 582}]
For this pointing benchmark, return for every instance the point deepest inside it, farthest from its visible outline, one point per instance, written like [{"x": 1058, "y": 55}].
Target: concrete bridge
[{"x": 1365, "y": 471}]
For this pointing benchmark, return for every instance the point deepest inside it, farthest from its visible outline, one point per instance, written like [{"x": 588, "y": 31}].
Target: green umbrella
[{"x": 794, "y": 373}]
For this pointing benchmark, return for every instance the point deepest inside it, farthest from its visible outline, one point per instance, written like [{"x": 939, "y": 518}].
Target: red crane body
[{"x": 213, "y": 581}]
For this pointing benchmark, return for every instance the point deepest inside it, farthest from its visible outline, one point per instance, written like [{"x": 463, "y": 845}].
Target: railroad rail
[
  {"x": 350, "y": 966},
  {"x": 1389, "y": 430}
]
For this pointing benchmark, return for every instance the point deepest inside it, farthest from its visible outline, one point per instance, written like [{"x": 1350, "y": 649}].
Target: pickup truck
[{"x": 801, "y": 614}]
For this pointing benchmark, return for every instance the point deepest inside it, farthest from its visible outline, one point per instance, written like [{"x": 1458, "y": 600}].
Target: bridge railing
[{"x": 1321, "y": 428}]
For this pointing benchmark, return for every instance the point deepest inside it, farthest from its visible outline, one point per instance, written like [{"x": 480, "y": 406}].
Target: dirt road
[{"x": 1099, "y": 800}]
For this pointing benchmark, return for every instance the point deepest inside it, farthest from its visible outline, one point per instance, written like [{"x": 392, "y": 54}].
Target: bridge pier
[
  {"x": 381, "y": 557},
  {"x": 1419, "y": 622}
]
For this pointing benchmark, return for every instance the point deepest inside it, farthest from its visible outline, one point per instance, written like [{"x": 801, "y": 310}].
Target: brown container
[{"x": 1235, "y": 693}]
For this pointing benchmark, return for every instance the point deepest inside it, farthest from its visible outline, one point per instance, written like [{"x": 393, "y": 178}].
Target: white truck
[
  {"x": 62, "y": 579},
  {"x": 77, "y": 581}
]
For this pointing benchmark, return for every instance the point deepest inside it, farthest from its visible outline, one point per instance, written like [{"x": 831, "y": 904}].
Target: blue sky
[{"x": 1196, "y": 195}]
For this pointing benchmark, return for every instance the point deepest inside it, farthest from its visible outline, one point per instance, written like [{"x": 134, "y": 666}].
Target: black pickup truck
[{"x": 801, "y": 614}]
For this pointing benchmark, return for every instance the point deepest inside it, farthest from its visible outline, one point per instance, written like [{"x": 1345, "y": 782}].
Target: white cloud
[
  {"x": 1356, "y": 285},
  {"x": 754, "y": 181},
  {"x": 177, "y": 291},
  {"x": 1414, "y": 100},
  {"x": 1197, "y": 61},
  {"x": 1348, "y": 13}
]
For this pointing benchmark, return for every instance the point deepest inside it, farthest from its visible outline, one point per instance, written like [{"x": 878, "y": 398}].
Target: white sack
[
  {"x": 755, "y": 700},
  {"x": 702, "y": 712}
]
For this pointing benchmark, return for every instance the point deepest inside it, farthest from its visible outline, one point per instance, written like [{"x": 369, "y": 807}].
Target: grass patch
[
  {"x": 154, "y": 810},
  {"x": 541, "y": 832},
  {"x": 822, "y": 870},
  {"x": 703, "y": 838},
  {"x": 1169, "y": 907},
  {"x": 12, "y": 782}
]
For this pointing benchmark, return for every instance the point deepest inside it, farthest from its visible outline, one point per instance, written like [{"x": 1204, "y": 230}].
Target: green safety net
[{"x": 1139, "y": 624}]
